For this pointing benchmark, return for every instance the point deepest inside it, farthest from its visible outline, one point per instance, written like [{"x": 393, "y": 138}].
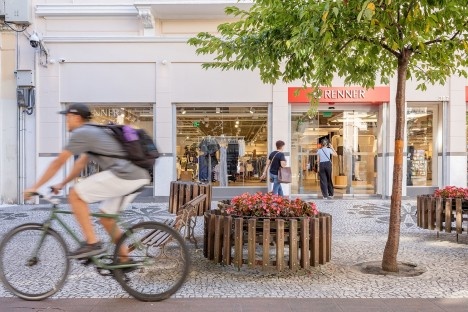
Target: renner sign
[{"x": 342, "y": 95}]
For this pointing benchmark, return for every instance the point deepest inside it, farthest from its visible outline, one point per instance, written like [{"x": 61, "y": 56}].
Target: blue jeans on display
[{"x": 277, "y": 189}]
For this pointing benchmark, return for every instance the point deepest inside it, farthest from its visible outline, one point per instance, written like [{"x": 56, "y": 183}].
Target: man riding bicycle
[{"x": 114, "y": 186}]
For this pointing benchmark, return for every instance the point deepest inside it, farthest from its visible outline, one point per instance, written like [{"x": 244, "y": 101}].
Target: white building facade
[{"x": 131, "y": 60}]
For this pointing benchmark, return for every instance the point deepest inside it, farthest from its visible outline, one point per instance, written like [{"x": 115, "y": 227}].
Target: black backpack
[{"x": 139, "y": 145}]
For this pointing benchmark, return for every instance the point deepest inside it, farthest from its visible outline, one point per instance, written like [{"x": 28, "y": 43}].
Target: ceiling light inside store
[
  {"x": 183, "y": 111},
  {"x": 218, "y": 110},
  {"x": 252, "y": 110}
]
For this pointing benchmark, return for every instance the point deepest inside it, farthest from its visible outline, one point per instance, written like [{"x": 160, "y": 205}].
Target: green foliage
[{"x": 362, "y": 41}]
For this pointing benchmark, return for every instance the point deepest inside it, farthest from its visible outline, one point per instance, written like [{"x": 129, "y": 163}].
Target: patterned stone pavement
[{"x": 359, "y": 235}]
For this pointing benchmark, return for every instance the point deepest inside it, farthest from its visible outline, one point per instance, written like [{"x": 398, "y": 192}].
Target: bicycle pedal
[
  {"x": 104, "y": 272},
  {"x": 85, "y": 261}
]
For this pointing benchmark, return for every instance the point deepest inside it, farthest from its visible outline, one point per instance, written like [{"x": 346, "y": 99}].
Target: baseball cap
[{"x": 78, "y": 109}]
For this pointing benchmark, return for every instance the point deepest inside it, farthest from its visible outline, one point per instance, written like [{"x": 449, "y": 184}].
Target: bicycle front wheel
[
  {"x": 163, "y": 260},
  {"x": 33, "y": 263}
]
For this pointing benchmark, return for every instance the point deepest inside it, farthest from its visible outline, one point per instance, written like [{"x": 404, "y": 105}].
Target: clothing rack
[
  {"x": 218, "y": 138},
  {"x": 221, "y": 140}
]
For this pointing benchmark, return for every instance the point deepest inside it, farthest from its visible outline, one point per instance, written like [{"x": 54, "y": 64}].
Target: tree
[{"x": 359, "y": 40}]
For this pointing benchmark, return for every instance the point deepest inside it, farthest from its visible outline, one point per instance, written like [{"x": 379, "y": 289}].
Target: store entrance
[
  {"x": 225, "y": 145},
  {"x": 353, "y": 135}
]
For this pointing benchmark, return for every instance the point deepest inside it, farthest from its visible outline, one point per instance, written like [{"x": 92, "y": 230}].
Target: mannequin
[{"x": 340, "y": 152}]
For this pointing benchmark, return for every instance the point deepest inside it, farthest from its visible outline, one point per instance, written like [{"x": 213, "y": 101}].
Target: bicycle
[{"x": 34, "y": 263}]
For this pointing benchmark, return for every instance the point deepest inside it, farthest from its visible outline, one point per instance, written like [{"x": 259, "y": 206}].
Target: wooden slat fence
[
  {"x": 260, "y": 242},
  {"x": 182, "y": 192},
  {"x": 443, "y": 215}
]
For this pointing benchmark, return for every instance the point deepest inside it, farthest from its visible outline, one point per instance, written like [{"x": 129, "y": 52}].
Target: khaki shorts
[{"x": 113, "y": 192}]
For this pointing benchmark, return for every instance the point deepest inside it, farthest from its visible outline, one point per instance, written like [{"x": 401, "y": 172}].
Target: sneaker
[
  {"x": 87, "y": 250},
  {"x": 330, "y": 197},
  {"x": 130, "y": 269}
]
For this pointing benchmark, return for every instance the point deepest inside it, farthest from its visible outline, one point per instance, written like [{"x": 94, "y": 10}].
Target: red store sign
[{"x": 376, "y": 95}]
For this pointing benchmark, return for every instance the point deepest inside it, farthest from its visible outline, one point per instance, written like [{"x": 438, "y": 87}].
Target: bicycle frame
[{"x": 54, "y": 215}]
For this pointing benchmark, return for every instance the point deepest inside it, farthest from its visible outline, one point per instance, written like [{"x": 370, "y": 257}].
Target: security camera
[{"x": 34, "y": 40}]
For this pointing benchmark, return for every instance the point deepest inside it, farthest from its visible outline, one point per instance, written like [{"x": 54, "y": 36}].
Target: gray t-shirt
[{"x": 94, "y": 139}]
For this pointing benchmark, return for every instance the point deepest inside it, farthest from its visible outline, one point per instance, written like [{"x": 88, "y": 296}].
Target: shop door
[
  {"x": 353, "y": 135},
  {"x": 356, "y": 163}
]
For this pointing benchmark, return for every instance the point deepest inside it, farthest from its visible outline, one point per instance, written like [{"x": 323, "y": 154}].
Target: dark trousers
[{"x": 326, "y": 183}]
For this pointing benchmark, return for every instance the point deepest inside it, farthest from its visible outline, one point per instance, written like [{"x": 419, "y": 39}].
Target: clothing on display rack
[
  {"x": 226, "y": 168},
  {"x": 232, "y": 159},
  {"x": 241, "y": 144}
]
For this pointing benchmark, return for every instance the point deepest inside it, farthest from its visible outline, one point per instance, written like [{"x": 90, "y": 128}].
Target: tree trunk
[{"x": 389, "y": 261}]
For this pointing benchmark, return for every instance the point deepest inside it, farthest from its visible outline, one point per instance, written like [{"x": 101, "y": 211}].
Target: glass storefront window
[
  {"x": 224, "y": 145},
  {"x": 352, "y": 133},
  {"x": 420, "y": 146}
]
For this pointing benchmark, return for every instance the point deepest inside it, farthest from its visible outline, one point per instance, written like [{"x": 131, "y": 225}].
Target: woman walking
[{"x": 325, "y": 168}]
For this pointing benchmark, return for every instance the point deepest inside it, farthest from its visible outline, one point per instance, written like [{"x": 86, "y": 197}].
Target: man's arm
[
  {"x": 78, "y": 166},
  {"x": 54, "y": 166}
]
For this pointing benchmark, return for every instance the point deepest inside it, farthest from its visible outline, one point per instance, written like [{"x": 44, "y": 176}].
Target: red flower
[
  {"x": 269, "y": 205},
  {"x": 452, "y": 192}
]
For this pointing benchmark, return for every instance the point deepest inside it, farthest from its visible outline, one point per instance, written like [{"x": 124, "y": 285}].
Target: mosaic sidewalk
[{"x": 359, "y": 235}]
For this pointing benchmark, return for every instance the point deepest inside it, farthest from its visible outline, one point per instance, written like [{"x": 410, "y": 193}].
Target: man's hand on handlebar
[
  {"x": 28, "y": 193},
  {"x": 56, "y": 188}
]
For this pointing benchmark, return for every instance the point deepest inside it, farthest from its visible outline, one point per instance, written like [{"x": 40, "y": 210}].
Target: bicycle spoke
[
  {"x": 31, "y": 275},
  {"x": 164, "y": 262}
]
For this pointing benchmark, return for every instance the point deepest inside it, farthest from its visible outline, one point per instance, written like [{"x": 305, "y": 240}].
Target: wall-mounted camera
[{"x": 34, "y": 40}]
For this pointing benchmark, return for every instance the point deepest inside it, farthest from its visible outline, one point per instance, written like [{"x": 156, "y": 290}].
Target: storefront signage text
[{"x": 342, "y": 95}]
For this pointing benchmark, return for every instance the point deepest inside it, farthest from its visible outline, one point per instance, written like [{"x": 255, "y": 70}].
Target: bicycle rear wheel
[
  {"x": 163, "y": 257},
  {"x": 29, "y": 274}
]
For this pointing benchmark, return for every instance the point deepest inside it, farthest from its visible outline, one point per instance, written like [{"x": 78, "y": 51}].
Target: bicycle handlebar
[{"x": 48, "y": 198}]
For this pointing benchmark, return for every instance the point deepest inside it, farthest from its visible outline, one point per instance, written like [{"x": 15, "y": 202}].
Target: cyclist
[{"x": 115, "y": 186}]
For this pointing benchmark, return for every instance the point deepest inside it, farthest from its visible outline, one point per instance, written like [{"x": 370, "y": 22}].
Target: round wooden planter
[
  {"x": 265, "y": 242},
  {"x": 182, "y": 192},
  {"x": 441, "y": 214}
]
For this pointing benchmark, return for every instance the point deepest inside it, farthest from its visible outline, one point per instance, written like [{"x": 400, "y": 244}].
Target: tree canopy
[{"x": 359, "y": 40}]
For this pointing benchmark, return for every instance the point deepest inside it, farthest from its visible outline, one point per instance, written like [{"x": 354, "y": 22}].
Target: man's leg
[
  {"x": 82, "y": 215},
  {"x": 115, "y": 206},
  {"x": 115, "y": 233},
  {"x": 81, "y": 211}
]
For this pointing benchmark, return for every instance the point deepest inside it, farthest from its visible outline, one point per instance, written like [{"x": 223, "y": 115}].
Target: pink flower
[
  {"x": 452, "y": 192},
  {"x": 269, "y": 205}
]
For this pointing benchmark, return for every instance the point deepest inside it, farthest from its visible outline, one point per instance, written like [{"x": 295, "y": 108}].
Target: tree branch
[
  {"x": 382, "y": 44},
  {"x": 410, "y": 7},
  {"x": 438, "y": 40}
]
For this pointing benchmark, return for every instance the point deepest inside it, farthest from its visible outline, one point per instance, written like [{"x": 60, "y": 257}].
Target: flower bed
[
  {"x": 270, "y": 206},
  {"x": 452, "y": 192},
  {"x": 444, "y": 210},
  {"x": 268, "y": 231}
]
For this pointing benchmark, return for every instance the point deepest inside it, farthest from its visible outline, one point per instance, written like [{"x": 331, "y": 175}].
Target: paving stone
[{"x": 359, "y": 235}]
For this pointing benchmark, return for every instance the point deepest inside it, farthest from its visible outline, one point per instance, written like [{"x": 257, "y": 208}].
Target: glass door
[
  {"x": 421, "y": 120},
  {"x": 357, "y": 152},
  {"x": 353, "y": 135}
]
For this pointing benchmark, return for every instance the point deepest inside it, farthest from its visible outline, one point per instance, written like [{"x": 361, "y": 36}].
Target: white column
[
  {"x": 456, "y": 134},
  {"x": 164, "y": 171},
  {"x": 280, "y": 126},
  {"x": 8, "y": 120}
]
